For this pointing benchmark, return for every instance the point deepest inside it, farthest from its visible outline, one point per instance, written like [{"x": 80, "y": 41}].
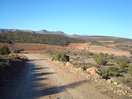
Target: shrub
[
  {"x": 100, "y": 59},
  {"x": 17, "y": 51},
  {"x": 61, "y": 56},
  {"x": 110, "y": 56},
  {"x": 4, "y": 50},
  {"x": 123, "y": 63},
  {"x": 109, "y": 72},
  {"x": 89, "y": 54},
  {"x": 75, "y": 54}
]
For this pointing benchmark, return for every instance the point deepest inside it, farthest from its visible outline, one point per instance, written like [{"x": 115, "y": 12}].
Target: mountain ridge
[
  {"x": 84, "y": 37},
  {"x": 34, "y": 32}
]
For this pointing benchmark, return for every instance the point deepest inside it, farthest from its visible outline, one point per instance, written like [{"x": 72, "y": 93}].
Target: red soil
[{"x": 79, "y": 46}]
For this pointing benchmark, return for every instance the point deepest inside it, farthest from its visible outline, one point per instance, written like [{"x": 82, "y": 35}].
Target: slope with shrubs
[
  {"x": 10, "y": 64},
  {"x": 108, "y": 66},
  {"x": 60, "y": 56},
  {"x": 26, "y": 37}
]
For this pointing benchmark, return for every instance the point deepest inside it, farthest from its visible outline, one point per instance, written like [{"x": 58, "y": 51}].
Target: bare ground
[{"x": 42, "y": 79}]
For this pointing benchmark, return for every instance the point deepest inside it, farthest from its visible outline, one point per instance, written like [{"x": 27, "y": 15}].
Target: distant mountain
[
  {"x": 82, "y": 37},
  {"x": 34, "y": 32},
  {"x": 7, "y": 30},
  {"x": 50, "y": 32}
]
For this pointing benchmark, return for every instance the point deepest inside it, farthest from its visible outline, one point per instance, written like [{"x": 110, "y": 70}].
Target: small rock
[
  {"x": 57, "y": 98},
  {"x": 96, "y": 81},
  {"x": 109, "y": 81},
  {"x": 80, "y": 69},
  {"x": 69, "y": 64},
  {"x": 92, "y": 70},
  {"x": 120, "y": 85},
  {"x": 130, "y": 95},
  {"x": 114, "y": 92},
  {"x": 115, "y": 83},
  {"x": 123, "y": 93}
]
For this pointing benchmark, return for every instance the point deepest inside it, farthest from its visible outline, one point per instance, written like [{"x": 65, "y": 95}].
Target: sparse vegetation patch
[
  {"x": 100, "y": 59},
  {"x": 9, "y": 64},
  {"x": 109, "y": 72},
  {"x": 60, "y": 56},
  {"x": 4, "y": 50}
]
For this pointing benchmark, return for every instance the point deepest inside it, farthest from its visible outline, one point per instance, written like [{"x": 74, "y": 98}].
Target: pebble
[{"x": 115, "y": 83}]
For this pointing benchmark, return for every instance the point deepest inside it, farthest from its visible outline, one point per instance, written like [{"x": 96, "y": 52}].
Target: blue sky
[{"x": 84, "y": 17}]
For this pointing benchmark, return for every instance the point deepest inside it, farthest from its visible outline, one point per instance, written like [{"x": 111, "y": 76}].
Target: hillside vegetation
[
  {"x": 26, "y": 37},
  {"x": 105, "y": 38},
  {"x": 10, "y": 64}
]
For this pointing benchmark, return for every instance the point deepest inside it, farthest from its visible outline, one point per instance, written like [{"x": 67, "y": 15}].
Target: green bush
[
  {"x": 109, "y": 72},
  {"x": 17, "y": 51},
  {"x": 61, "y": 56},
  {"x": 89, "y": 54},
  {"x": 110, "y": 56},
  {"x": 100, "y": 59},
  {"x": 4, "y": 50},
  {"x": 75, "y": 54},
  {"x": 123, "y": 63}
]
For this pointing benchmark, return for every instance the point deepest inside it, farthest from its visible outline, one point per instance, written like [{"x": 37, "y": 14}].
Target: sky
[{"x": 82, "y": 17}]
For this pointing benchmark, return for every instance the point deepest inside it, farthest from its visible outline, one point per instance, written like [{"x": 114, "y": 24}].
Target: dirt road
[{"x": 42, "y": 79}]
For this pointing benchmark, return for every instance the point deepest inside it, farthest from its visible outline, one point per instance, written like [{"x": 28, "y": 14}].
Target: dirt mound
[{"x": 80, "y": 46}]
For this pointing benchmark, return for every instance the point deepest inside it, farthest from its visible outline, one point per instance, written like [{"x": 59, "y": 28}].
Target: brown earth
[
  {"x": 72, "y": 47},
  {"x": 79, "y": 46},
  {"x": 111, "y": 51}
]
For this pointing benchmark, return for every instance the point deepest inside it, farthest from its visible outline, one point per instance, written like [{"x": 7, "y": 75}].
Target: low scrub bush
[
  {"x": 4, "y": 50},
  {"x": 75, "y": 54},
  {"x": 89, "y": 54},
  {"x": 123, "y": 63},
  {"x": 61, "y": 56},
  {"x": 110, "y": 56},
  {"x": 17, "y": 51},
  {"x": 100, "y": 59},
  {"x": 109, "y": 72}
]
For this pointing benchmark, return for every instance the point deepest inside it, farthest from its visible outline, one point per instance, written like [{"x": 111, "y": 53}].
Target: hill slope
[
  {"x": 105, "y": 38},
  {"x": 26, "y": 37}
]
